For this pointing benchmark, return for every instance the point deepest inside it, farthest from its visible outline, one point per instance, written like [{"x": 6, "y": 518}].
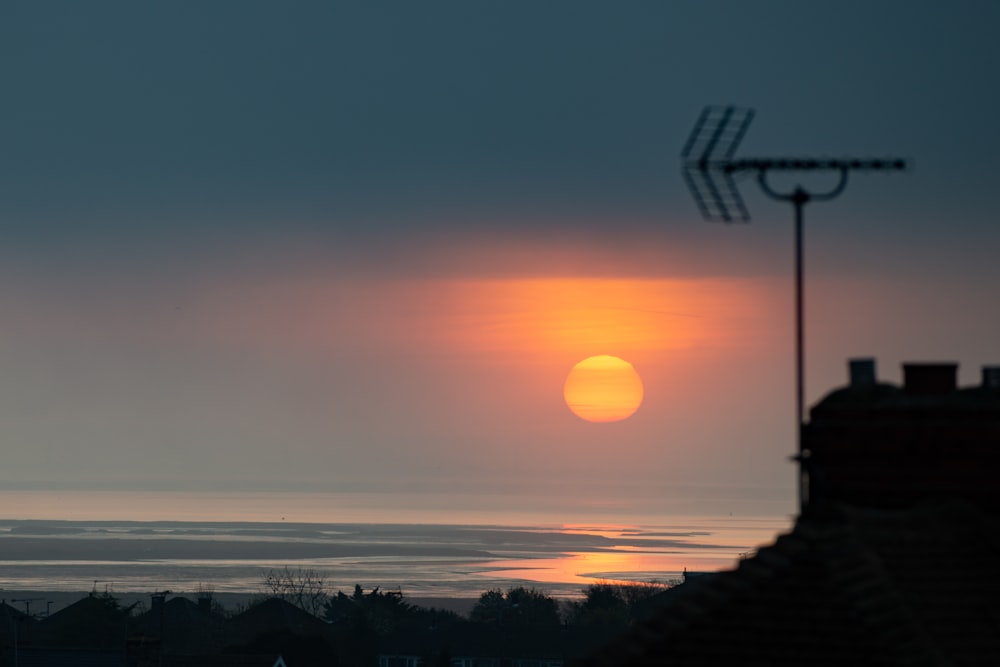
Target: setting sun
[{"x": 603, "y": 389}]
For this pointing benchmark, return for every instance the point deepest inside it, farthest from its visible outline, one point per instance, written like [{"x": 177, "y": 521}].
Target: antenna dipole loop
[{"x": 800, "y": 193}]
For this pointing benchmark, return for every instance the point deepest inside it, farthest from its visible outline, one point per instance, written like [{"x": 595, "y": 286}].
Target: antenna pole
[
  {"x": 799, "y": 197},
  {"x": 799, "y": 201}
]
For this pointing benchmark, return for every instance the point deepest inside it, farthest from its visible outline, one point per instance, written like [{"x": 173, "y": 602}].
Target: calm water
[{"x": 141, "y": 542}]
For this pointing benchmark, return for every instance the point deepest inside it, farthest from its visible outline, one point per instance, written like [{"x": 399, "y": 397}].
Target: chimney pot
[
  {"x": 991, "y": 377},
  {"x": 861, "y": 372},
  {"x": 930, "y": 378}
]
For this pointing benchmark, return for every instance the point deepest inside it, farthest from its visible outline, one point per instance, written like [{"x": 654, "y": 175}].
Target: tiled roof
[{"x": 846, "y": 586}]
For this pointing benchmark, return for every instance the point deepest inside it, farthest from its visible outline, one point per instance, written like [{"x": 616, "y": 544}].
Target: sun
[{"x": 603, "y": 389}]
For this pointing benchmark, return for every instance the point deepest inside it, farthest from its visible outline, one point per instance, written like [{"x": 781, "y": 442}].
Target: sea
[{"x": 137, "y": 543}]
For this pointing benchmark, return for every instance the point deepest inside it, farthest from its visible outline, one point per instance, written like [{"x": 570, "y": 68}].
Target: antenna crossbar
[
  {"x": 802, "y": 164},
  {"x": 709, "y": 169}
]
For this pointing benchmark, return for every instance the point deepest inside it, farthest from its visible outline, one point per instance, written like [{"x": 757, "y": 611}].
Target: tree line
[
  {"x": 602, "y": 603},
  {"x": 521, "y": 619}
]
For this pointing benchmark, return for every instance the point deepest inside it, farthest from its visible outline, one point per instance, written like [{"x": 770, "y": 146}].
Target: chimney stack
[
  {"x": 861, "y": 372},
  {"x": 930, "y": 379},
  {"x": 991, "y": 377}
]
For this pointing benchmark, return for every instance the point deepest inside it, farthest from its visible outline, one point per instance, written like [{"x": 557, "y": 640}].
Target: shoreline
[{"x": 443, "y": 566}]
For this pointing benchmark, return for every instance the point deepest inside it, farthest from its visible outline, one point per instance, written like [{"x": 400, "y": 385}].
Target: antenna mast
[{"x": 709, "y": 169}]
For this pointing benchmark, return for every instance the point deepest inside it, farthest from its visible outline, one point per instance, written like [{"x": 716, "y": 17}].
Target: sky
[{"x": 356, "y": 247}]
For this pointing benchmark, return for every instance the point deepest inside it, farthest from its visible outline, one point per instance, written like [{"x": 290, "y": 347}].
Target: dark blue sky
[{"x": 375, "y": 114}]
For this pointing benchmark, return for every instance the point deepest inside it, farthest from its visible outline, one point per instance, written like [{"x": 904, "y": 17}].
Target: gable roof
[
  {"x": 182, "y": 626},
  {"x": 15, "y": 625},
  {"x": 845, "y": 586},
  {"x": 9, "y": 612},
  {"x": 273, "y": 614},
  {"x": 95, "y": 621}
]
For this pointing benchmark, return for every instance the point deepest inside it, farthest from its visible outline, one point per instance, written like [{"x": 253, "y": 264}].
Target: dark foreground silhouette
[{"x": 297, "y": 625}]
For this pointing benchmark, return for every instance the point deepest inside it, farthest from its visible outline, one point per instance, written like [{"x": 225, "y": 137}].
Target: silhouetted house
[
  {"x": 876, "y": 444},
  {"x": 894, "y": 560},
  {"x": 16, "y": 630},
  {"x": 178, "y": 626},
  {"x": 91, "y": 631},
  {"x": 280, "y": 628},
  {"x": 225, "y": 661},
  {"x": 387, "y": 660},
  {"x": 93, "y": 622},
  {"x": 467, "y": 644},
  {"x": 271, "y": 615},
  {"x": 97, "y": 631},
  {"x": 38, "y": 656}
]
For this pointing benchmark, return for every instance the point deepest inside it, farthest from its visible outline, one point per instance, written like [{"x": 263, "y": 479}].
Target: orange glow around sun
[
  {"x": 603, "y": 389},
  {"x": 549, "y": 318}
]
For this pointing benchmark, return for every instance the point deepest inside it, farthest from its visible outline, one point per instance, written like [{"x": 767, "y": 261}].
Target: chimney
[
  {"x": 930, "y": 379},
  {"x": 861, "y": 372},
  {"x": 991, "y": 377},
  {"x": 158, "y": 600}
]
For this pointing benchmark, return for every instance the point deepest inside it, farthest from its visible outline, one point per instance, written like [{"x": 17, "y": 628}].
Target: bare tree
[{"x": 306, "y": 589}]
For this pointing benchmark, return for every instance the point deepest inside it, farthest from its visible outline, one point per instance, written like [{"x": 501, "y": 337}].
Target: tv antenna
[
  {"x": 27, "y": 603},
  {"x": 710, "y": 171}
]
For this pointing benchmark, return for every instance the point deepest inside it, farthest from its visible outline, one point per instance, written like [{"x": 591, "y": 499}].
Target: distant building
[
  {"x": 894, "y": 562},
  {"x": 97, "y": 630}
]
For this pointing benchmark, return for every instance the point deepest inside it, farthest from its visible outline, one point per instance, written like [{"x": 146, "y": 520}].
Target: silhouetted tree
[
  {"x": 377, "y": 610},
  {"x": 364, "y": 620},
  {"x": 519, "y": 608},
  {"x": 489, "y": 609},
  {"x": 306, "y": 589},
  {"x": 603, "y": 606},
  {"x": 612, "y": 605}
]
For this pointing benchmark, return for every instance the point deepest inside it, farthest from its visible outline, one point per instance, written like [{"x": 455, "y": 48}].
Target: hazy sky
[{"x": 357, "y": 246}]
